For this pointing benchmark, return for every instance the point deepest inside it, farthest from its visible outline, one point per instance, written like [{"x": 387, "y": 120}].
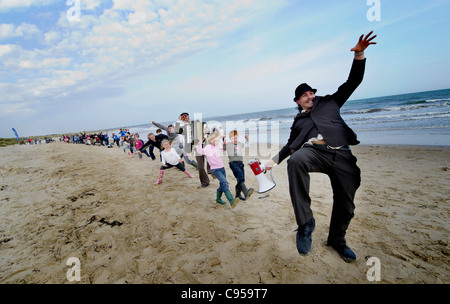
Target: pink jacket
[{"x": 213, "y": 155}]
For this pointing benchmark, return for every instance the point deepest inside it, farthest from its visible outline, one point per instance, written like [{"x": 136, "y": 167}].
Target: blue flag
[{"x": 17, "y": 136}]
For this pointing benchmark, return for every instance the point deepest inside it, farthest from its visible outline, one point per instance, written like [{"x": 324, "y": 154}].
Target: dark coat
[{"x": 325, "y": 116}]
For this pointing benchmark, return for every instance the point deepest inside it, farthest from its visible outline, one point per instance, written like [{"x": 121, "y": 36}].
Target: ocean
[{"x": 421, "y": 118}]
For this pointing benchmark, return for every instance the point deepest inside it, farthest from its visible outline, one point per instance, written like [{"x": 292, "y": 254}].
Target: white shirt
[{"x": 170, "y": 157}]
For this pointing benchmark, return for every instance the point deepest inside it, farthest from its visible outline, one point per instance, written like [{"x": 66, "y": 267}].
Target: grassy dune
[{"x": 8, "y": 142}]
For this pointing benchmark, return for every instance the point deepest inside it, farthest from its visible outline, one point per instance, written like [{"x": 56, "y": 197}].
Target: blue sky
[{"x": 129, "y": 62}]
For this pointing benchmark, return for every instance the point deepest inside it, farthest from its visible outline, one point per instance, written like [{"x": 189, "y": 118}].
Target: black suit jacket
[
  {"x": 325, "y": 115},
  {"x": 159, "y": 138}
]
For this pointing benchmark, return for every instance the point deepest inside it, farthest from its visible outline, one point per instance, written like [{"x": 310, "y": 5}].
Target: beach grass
[{"x": 4, "y": 142}]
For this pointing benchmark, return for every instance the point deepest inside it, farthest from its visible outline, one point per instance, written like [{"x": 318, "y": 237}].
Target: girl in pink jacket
[{"x": 213, "y": 153}]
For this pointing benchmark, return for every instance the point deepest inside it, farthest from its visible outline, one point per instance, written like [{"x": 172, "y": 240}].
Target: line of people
[
  {"x": 208, "y": 160},
  {"x": 176, "y": 152}
]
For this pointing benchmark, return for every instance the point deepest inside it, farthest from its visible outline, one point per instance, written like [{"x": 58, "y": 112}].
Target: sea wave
[
  {"x": 410, "y": 128},
  {"x": 409, "y": 107},
  {"x": 400, "y": 117}
]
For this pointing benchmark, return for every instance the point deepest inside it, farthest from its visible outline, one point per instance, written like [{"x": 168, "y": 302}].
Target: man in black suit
[
  {"x": 319, "y": 142},
  {"x": 154, "y": 141}
]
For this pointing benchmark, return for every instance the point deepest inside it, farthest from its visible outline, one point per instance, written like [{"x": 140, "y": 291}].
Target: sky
[{"x": 74, "y": 65}]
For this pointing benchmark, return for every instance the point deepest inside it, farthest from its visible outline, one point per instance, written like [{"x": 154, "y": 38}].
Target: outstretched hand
[{"x": 363, "y": 43}]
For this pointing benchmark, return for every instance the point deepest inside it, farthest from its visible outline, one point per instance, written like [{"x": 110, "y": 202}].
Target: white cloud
[
  {"x": 15, "y": 58},
  {"x": 6, "y": 49},
  {"x": 131, "y": 38},
  {"x": 46, "y": 63},
  {"x": 23, "y": 30},
  {"x": 10, "y": 4},
  {"x": 90, "y": 4},
  {"x": 52, "y": 36}
]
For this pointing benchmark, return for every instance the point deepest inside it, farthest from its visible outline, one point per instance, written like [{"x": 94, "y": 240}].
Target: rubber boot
[
  {"x": 159, "y": 181},
  {"x": 194, "y": 164},
  {"x": 188, "y": 174},
  {"x": 238, "y": 192},
  {"x": 219, "y": 198},
  {"x": 233, "y": 201},
  {"x": 247, "y": 192}
]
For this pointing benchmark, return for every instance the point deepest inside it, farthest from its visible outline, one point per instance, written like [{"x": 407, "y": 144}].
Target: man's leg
[
  {"x": 299, "y": 165},
  {"x": 303, "y": 161},
  {"x": 345, "y": 180}
]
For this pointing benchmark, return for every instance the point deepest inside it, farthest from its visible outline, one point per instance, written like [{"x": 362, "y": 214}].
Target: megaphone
[{"x": 259, "y": 171}]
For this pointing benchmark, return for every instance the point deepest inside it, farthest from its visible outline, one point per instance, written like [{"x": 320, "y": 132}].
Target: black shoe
[
  {"x": 345, "y": 252},
  {"x": 304, "y": 239}
]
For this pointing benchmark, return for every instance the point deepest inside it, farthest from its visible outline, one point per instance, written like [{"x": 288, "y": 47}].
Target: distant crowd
[
  {"x": 175, "y": 151},
  {"x": 35, "y": 141},
  {"x": 124, "y": 138}
]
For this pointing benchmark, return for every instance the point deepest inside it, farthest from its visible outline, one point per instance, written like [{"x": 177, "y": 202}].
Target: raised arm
[
  {"x": 356, "y": 72},
  {"x": 362, "y": 44},
  {"x": 161, "y": 126}
]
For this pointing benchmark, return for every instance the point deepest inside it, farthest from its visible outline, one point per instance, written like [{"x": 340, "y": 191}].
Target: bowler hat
[{"x": 302, "y": 89}]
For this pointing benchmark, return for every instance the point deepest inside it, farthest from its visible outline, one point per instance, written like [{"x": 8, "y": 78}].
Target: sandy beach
[{"x": 96, "y": 204}]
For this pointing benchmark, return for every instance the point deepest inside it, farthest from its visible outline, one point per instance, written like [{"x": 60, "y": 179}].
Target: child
[
  {"x": 213, "y": 155},
  {"x": 234, "y": 151},
  {"x": 128, "y": 144},
  {"x": 137, "y": 145},
  {"x": 170, "y": 158}
]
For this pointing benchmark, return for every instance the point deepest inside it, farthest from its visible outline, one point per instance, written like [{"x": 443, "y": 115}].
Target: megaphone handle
[{"x": 271, "y": 176}]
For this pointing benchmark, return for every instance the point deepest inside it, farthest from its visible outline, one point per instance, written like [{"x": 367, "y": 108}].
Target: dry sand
[{"x": 62, "y": 200}]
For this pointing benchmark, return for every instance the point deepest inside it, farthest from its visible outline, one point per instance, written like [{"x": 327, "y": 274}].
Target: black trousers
[{"x": 345, "y": 177}]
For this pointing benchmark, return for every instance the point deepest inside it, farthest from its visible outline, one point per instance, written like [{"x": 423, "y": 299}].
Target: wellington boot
[
  {"x": 238, "y": 192},
  {"x": 194, "y": 164},
  {"x": 233, "y": 201},
  {"x": 161, "y": 174},
  {"x": 219, "y": 198},
  {"x": 247, "y": 192}
]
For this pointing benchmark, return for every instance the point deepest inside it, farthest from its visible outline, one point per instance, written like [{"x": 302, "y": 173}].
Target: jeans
[
  {"x": 145, "y": 152},
  {"x": 152, "y": 155},
  {"x": 186, "y": 158},
  {"x": 127, "y": 147},
  {"x": 238, "y": 171},
  {"x": 221, "y": 176}
]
